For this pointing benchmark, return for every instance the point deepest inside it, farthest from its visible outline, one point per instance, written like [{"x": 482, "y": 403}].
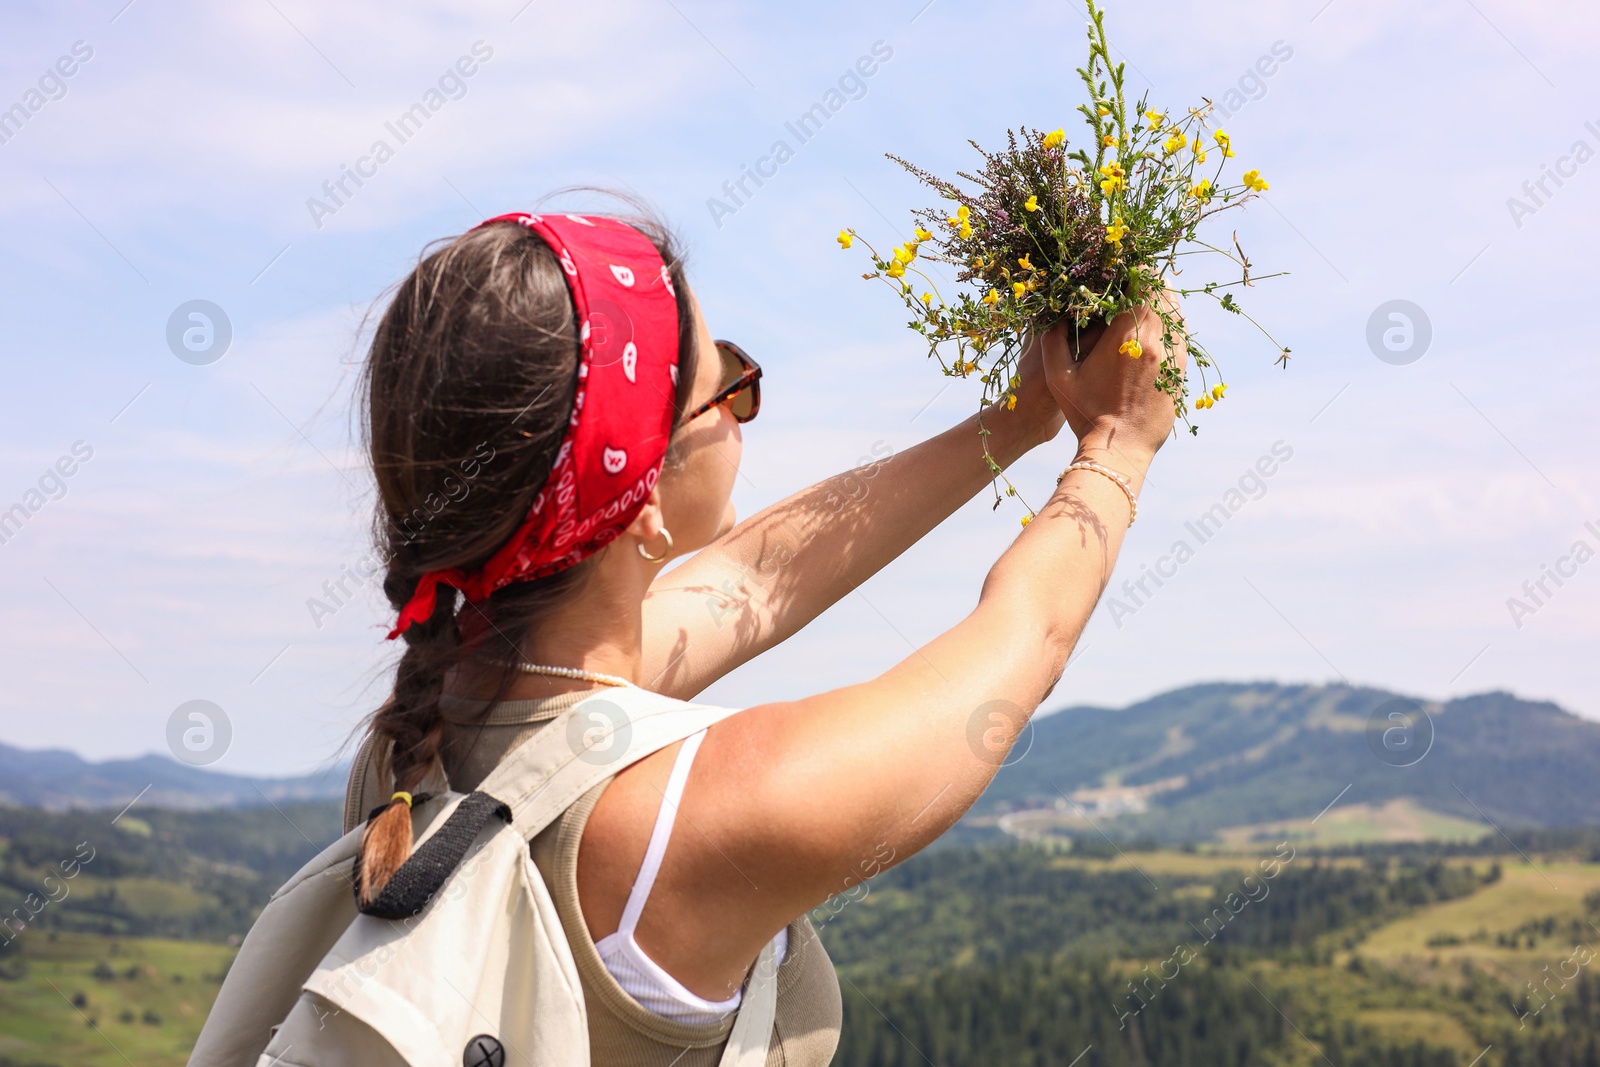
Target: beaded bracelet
[{"x": 1120, "y": 479}]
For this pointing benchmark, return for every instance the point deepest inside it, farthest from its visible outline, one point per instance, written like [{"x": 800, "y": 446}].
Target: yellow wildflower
[
  {"x": 1116, "y": 231},
  {"x": 1011, "y": 401},
  {"x": 1252, "y": 178},
  {"x": 1174, "y": 143},
  {"x": 1109, "y": 139},
  {"x": 1025, "y": 263},
  {"x": 1131, "y": 348},
  {"x": 1026, "y": 519},
  {"x": 1102, "y": 109},
  {"x": 1053, "y": 139},
  {"x": 927, "y": 299},
  {"x": 1017, "y": 289},
  {"x": 896, "y": 270},
  {"x": 846, "y": 238},
  {"x": 922, "y": 235},
  {"x": 1154, "y": 118},
  {"x": 1032, "y": 204},
  {"x": 966, "y": 231},
  {"x": 963, "y": 212},
  {"x": 1218, "y": 390},
  {"x": 1202, "y": 190},
  {"x": 991, "y": 298}
]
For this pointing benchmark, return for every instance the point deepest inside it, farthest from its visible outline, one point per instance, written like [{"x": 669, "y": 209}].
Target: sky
[{"x": 1421, "y": 487}]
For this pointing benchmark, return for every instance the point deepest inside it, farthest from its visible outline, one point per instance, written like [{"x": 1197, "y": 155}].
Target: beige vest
[{"x": 622, "y": 1033}]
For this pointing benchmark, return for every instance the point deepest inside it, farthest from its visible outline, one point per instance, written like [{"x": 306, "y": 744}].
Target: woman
[{"x": 673, "y": 876}]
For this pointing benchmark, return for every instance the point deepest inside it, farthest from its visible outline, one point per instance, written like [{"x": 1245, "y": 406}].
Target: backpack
[{"x": 462, "y": 959}]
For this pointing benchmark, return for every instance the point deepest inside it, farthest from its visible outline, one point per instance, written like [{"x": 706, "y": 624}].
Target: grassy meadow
[
  {"x": 1380, "y": 932},
  {"x": 91, "y": 999}
]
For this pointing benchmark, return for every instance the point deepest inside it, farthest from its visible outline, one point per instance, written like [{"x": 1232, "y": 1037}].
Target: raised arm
[
  {"x": 792, "y": 803},
  {"x": 774, "y": 572}
]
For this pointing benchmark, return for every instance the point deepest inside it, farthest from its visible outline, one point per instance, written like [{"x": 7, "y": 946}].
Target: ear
[{"x": 648, "y": 524}]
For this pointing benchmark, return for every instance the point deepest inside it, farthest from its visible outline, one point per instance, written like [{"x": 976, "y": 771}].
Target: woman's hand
[
  {"x": 1110, "y": 399},
  {"x": 1035, "y": 397}
]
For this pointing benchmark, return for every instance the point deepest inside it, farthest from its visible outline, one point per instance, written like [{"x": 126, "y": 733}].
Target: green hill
[
  {"x": 1403, "y": 932},
  {"x": 1188, "y": 764},
  {"x": 1405, "y": 956},
  {"x": 186, "y": 874}
]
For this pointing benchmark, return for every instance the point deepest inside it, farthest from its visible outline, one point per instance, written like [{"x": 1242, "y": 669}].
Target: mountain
[
  {"x": 1221, "y": 759},
  {"x": 59, "y": 780},
  {"x": 1193, "y": 763}
]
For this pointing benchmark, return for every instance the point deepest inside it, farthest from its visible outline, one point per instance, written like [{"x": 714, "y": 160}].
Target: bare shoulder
[{"x": 725, "y": 884}]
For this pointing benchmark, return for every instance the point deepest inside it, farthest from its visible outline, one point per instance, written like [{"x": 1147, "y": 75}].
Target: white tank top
[{"x": 640, "y": 976}]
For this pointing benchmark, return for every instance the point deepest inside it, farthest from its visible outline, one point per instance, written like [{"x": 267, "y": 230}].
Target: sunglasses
[{"x": 742, "y": 393}]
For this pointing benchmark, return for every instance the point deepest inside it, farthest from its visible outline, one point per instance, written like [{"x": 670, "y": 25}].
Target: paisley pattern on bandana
[{"x": 617, "y": 436}]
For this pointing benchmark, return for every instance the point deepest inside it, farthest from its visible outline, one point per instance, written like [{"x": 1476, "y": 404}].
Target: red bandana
[{"x": 616, "y": 439}]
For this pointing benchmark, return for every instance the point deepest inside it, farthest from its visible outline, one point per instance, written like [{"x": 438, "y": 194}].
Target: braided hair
[{"x": 467, "y": 390}]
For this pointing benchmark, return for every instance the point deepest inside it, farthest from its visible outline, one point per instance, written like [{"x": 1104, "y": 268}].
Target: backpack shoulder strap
[
  {"x": 758, "y": 1013},
  {"x": 586, "y": 744},
  {"x": 360, "y": 769}
]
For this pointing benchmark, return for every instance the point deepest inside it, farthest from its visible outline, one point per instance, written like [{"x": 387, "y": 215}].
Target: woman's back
[{"x": 622, "y": 1031}]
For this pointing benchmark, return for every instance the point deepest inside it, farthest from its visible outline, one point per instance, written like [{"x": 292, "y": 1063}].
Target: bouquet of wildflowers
[{"x": 1054, "y": 235}]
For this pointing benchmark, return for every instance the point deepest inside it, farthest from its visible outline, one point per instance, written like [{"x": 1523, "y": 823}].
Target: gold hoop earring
[{"x": 665, "y": 552}]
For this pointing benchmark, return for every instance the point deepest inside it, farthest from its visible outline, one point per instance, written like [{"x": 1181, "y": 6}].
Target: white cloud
[{"x": 193, "y": 138}]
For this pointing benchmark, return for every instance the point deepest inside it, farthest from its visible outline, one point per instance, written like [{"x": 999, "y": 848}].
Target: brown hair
[{"x": 468, "y": 387}]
